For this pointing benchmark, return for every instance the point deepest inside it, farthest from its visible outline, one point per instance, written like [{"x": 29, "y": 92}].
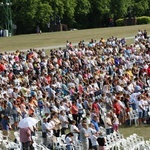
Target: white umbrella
[{"x": 27, "y": 122}]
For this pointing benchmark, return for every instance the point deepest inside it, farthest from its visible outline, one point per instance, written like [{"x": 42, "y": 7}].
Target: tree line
[{"x": 80, "y": 14}]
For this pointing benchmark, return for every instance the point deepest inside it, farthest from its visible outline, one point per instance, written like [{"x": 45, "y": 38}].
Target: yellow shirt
[{"x": 130, "y": 73}]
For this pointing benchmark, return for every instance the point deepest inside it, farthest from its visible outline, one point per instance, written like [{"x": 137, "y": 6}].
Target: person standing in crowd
[
  {"x": 75, "y": 130},
  {"x": 140, "y": 109},
  {"x": 108, "y": 124},
  {"x": 25, "y": 138},
  {"x": 94, "y": 141},
  {"x": 23, "y": 109},
  {"x": 5, "y": 125},
  {"x": 74, "y": 111},
  {"x": 91, "y": 130},
  {"x": 45, "y": 130},
  {"x": 80, "y": 109},
  {"x": 64, "y": 121},
  {"x": 95, "y": 106},
  {"x": 94, "y": 121},
  {"x": 84, "y": 136},
  {"x": 116, "y": 107},
  {"x": 115, "y": 121},
  {"x": 57, "y": 129}
]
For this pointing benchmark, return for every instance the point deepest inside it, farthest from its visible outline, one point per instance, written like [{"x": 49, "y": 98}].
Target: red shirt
[
  {"x": 10, "y": 76},
  {"x": 80, "y": 89},
  {"x": 117, "y": 108},
  {"x": 95, "y": 107},
  {"x": 48, "y": 79},
  {"x": 74, "y": 109},
  {"x": 2, "y": 68},
  {"x": 59, "y": 62},
  {"x": 148, "y": 71}
]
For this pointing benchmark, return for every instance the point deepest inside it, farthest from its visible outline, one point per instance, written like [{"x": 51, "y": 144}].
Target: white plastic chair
[
  {"x": 59, "y": 144},
  {"x": 8, "y": 145},
  {"x": 110, "y": 144},
  {"x": 118, "y": 139},
  {"x": 147, "y": 145},
  {"x": 139, "y": 139},
  {"x": 133, "y": 117},
  {"x": 17, "y": 137},
  {"x": 125, "y": 145},
  {"x": 39, "y": 147}
]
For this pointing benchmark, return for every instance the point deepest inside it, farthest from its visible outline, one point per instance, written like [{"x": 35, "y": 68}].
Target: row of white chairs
[
  {"x": 7, "y": 144},
  {"x": 134, "y": 142},
  {"x": 116, "y": 141}
]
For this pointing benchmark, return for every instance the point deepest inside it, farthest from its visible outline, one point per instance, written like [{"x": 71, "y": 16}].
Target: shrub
[
  {"x": 143, "y": 20},
  {"x": 120, "y": 22}
]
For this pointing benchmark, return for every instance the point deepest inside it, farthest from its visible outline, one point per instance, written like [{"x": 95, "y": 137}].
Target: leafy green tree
[
  {"x": 69, "y": 12},
  {"x": 99, "y": 9},
  {"x": 82, "y": 10},
  {"x": 140, "y": 7},
  {"x": 119, "y": 8},
  {"x": 43, "y": 13},
  {"x": 24, "y": 12},
  {"x": 28, "y": 13},
  {"x": 57, "y": 7}
]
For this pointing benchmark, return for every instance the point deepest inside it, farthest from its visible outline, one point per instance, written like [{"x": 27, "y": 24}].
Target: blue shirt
[
  {"x": 95, "y": 123},
  {"x": 4, "y": 124}
]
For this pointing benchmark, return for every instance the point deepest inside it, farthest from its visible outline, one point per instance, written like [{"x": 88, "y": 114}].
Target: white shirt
[
  {"x": 62, "y": 108},
  {"x": 63, "y": 120},
  {"x": 119, "y": 88},
  {"x": 9, "y": 91},
  {"x": 145, "y": 103},
  {"x": 80, "y": 108},
  {"x": 69, "y": 140},
  {"x": 49, "y": 126},
  {"x": 108, "y": 120},
  {"x": 94, "y": 140},
  {"x": 90, "y": 131},
  {"x": 116, "y": 122},
  {"x": 139, "y": 105},
  {"x": 73, "y": 128},
  {"x": 131, "y": 88}
]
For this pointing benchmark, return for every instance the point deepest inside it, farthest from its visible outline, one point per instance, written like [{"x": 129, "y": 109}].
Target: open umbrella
[{"x": 27, "y": 122}]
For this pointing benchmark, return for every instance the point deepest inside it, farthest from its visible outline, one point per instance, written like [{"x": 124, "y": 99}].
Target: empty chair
[
  {"x": 39, "y": 147},
  {"x": 133, "y": 117}
]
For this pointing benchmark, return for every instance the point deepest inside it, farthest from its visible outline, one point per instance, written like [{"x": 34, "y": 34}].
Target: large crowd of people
[{"x": 78, "y": 89}]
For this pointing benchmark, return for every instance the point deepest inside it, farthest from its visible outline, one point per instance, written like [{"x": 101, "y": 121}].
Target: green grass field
[
  {"x": 143, "y": 130},
  {"x": 59, "y": 38}
]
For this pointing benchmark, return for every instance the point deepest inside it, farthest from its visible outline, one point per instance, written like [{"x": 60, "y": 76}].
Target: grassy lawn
[
  {"x": 142, "y": 130},
  {"x": 60, "y": 38}
]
